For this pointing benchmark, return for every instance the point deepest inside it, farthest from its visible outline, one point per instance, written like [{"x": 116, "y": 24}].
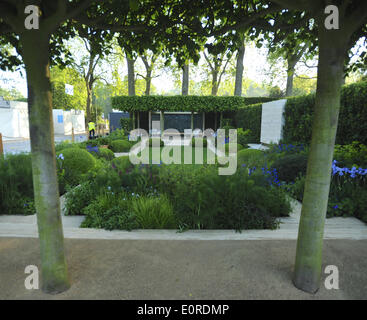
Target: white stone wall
[{"x": 272, "y": 121}]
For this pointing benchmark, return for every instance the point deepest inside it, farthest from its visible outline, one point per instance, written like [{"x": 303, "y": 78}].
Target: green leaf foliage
[
  {"x": 352, "y": 118},
  {"x": 183, "y": 103}
]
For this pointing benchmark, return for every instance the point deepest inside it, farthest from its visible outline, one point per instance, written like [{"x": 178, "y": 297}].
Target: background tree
[
  {"x": 60, "y": 100},
  {"x": 333, "y": 45},
  {"x": 217, "y": 58},
  {"x": 57, "y": 22}
]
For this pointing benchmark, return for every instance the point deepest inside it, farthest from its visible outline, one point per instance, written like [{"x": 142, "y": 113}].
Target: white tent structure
[
  {"x": 14, "y": 120},
  {"x": 64, "y": 121}
]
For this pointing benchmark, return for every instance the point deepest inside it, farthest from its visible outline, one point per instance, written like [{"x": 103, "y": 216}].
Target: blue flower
[{"x": 61, "y": 156}]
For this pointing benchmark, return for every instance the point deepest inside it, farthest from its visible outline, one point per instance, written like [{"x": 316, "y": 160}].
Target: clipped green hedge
[
  {"x": 183, "y": 103},
  {"x": 352, "y": 118},
  {"x": 249, "y": 118}
]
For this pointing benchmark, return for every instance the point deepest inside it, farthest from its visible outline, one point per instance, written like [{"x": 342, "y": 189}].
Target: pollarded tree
[
  {"x": 337, "y": 22},
  {"x": 37, "y": 32}
]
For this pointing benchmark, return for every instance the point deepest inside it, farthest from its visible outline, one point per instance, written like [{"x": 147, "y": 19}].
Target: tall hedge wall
[
  {"x": 249, "y": 117},
  {"x": 183, "y": 103},
  {"x": 352, "y": 125}
]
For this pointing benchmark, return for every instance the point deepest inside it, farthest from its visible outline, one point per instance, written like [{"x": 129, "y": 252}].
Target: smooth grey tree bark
[
  {"x": 239, "y": 71},
  {"x": 185, "y": 79}
]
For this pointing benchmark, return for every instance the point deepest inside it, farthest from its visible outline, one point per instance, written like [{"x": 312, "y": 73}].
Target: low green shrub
[
  {"x": 16, "y": 184},
  {"x": 77, "y": 198},
  {"x": 297, "y": 187},
  {"x": 289, "y": 167},
  {"x": 121, "y": 164},
  {"x": 347, "y": 195},
  {"x": 243, "y": 136},
  {"x": 154, "y": 212},
  {"x": 239, "y": 147},
  {"x": 64, "y": 145},
  {"x": 103, "y": 141},
  {"x": 110, "y": 211},
  {"x": 251, "y": 158},
  {"x": 106, "y": 154},
  {"x": 241, "y": 202},
  {"x": 73, "y": 164},
  {"x": 118, "y": 134},
  {"x": 120, "y": 146},
  {"x": 354, "y": 154}
]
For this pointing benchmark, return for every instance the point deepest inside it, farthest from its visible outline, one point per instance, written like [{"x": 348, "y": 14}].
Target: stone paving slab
[{"x": 335, "y": 228}]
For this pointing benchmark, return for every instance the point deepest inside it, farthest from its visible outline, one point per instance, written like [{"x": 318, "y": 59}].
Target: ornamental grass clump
[{"x": 154, "y": 212}]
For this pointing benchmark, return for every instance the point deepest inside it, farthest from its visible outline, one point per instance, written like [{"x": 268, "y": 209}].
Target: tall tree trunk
[
  {"x": 46, "y": 191},
  {"x": 148, "y": 82},
  {"x": 185, "y": 79},
  {"x": 239, "y": 71},
  {"x": 89, "y": 102},
  {"x": 290, "y": 75},
  {"x": 332, "y": 48},
  {"x": 130, "y": 76},
  {"x": 214, "y": 83}
]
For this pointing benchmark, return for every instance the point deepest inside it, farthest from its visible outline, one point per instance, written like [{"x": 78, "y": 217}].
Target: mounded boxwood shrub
[
  {"x": 250, "y": 157},
  {"x": 74, "y": 163},
  {"x": 239, "y": 147},
  {"x": 289, "y": 167},
  {"x": 120, "y": 146},
  {"x": 106, "y": 154}
]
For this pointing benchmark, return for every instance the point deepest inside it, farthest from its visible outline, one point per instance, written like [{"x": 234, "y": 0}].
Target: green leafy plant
[
  {"x": 299, "y": 113},
  {"x": 118, "y": 134},
  {"x": 289, "y": 167},
  {"x": 109, "y": 211},
  {"x": 73, "y": 164},
  {"x": 16, "y": 186},
  {"x": 351, "y": 154},
  {"x": 249, "y": 118},
  {"x": 183, "y": 103},
  {"x": 154, "y": 212},
  {"x": 126, "y": 124},
  {"x": 77, "y": 198},
  {"x": 106, "y": 154},
  {"x": 120, "y": 146},
  {"x": 251, "y": 158}
]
